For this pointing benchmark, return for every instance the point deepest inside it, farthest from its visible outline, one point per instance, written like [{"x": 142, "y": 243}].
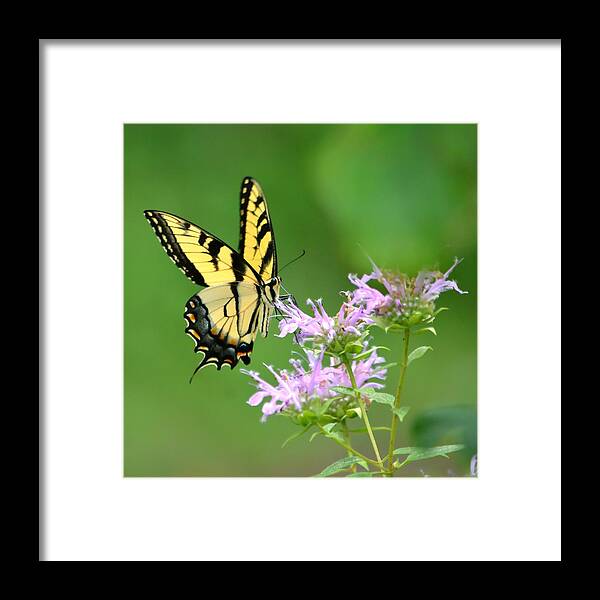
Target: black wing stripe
[
  {"x": 238, "y": 264},
  {"x": 262, "y": 217},
  {"x": 171, "y": 246},
  {"x": 270, "y": 252},
  {"x": 214, "y": 247},
  {"x": 261, "y": 234}
]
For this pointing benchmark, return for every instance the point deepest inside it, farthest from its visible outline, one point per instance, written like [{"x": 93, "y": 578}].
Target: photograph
[
  {"x": 300, "y": 300},
  {"x": 266, "y": 306}
]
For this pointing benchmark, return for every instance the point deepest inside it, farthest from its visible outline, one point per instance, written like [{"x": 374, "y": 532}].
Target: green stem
[
  {"x": 345, "y": 432},
  {"x": 402, "y": 463},
  {"x": 346, "y": 436},
  {"x": 349, "y": 448},
  {"x": 363, "y": 410},
  {"x": 394, "y": 425}
]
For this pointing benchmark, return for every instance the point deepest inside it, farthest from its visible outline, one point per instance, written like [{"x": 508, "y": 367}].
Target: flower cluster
[
  {"x": 336, "y": 346},
  {"x": 306, "y": 393},
  {"x": 333, "y": 334},
  {"x": 406, "y": 301}
]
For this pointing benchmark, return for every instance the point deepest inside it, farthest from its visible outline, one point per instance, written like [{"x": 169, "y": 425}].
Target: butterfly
[{"x": 241, "y": 287}]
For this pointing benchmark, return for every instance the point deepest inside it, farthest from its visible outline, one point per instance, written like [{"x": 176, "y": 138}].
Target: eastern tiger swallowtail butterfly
[{"x": 241, "y": 286}]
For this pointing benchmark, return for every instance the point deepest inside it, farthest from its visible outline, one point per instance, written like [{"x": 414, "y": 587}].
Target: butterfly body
[{"x": 241, "y": 287}]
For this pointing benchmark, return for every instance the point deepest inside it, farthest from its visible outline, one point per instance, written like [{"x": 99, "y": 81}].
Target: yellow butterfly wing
[
  {"x": 200, "y": 255},
  {"x": 257, "y": 240},
  {"x": 223, "y": 322}
]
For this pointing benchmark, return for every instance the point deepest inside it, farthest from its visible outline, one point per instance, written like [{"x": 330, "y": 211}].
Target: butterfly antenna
[{"x": 293, "y": 260}]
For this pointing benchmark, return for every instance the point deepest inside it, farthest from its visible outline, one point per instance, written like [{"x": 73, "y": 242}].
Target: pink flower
[
  {"x": 430, "y": 284},
  {"x": 310, "y": 381},
  {"x": 319, "y": 328},
  {"x": 407, "y": 301}
]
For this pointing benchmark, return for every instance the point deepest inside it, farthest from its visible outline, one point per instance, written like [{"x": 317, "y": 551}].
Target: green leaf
[
  {"x": 365, "y": 430},
  {"x": 416, "y": 318},
  {"x": 452, "y": 424},
  {"x": 380, "y": 397},
  {"x": 401, "y": 412},
  {"x": 366, "y": 391},
  {"x": 427, "y": 330},
  {"x": 324, "y": 406},
  {"x": 407, "y": 450},
  {"x": 425, "y": 453},
  {"x": 326, "y": 419},
  {"x": 356, "y": 411},
  {"x": 382, "y": 367},
  {"x": 392, "y": 327},
  {"x": 334, "y": 435},
  {"x": 369, "y": 351},
  {"x": 352, "y": 348},
  {"x": 370, "y": 393},
  {"x": 385, "y": 325},
  {"x": 379, "y": 348},
  {"x": 341, "y": 465},
  {"x": 415, "y": 453},
  {"x": 363, "y": 474},
  {"x": 347, "y": 391},
  {"x": 313, "y": 436},
  {"x": 418, "y": 353},
  {"x": 296, "y": 436},
  {"x": 439, "y": 310}
]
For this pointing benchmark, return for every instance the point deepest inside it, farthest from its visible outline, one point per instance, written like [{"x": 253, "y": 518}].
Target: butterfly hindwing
[
  {"x": 223, "y": 321},
  {"x": 257, "y": 240},
  {"x": 203, "y": 257}
]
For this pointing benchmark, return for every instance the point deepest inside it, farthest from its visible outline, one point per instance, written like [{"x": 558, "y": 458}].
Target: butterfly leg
[{"x": 289, "y": 298}]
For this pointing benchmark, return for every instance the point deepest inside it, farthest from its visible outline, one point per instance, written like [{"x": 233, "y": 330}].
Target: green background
[{"x": 403, "y": 194}]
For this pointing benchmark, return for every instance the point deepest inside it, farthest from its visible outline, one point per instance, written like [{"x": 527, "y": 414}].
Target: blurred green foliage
[{"x": 403, "y": 194}]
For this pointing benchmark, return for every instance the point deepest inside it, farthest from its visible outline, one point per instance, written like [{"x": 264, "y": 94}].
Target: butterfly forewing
[
  {"x": 203, "y": 257},
  {"x": 257, "y": 240}
]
